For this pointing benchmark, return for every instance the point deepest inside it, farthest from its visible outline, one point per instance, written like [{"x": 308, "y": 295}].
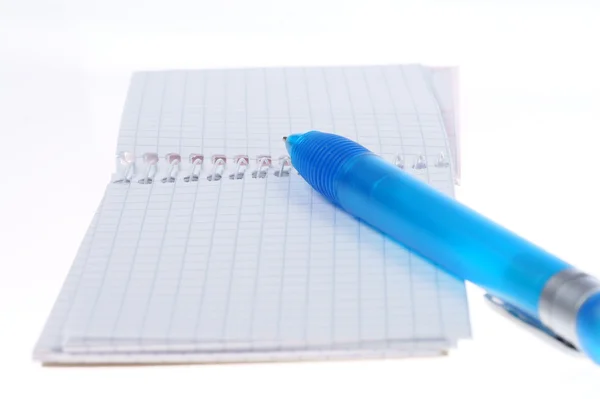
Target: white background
[{"x": 531, "y": 155}]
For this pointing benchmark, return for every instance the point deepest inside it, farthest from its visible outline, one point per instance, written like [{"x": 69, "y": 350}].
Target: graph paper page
[{"x": 258, "y": 264}]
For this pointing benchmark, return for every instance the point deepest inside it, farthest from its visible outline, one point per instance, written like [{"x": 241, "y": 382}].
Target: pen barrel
[
  {"x": 423, "y": 219},
  {"x": 445, "y": 231}
]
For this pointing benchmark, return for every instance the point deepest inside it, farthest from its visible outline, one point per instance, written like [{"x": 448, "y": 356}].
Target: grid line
[
  {"x": 358, "y": 225},
  {"x": 188, "y": 235},
  {"x": 311, "y": 200},
  {"x": 385, "y": 272},
  {"x": 435, "y": 270},
  {"x": 287, "y": 213},
  {"x": 144, "y": 219},
  {"x": 334, "y": 252},
  {"x": 262, "y": 224}
]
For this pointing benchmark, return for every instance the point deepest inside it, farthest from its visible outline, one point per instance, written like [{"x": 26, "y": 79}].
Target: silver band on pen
[{"x": 561, "y": 299}]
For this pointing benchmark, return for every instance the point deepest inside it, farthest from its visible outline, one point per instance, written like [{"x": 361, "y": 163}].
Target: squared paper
[{"x": 257, "y": 268}]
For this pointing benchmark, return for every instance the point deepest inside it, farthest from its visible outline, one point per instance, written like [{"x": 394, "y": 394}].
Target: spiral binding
[
  {"x": 239, "y": 167},
  {"x": 174, "y": 161},
  {"x": 197, "y": 161},
  {"x": 127, "y": 162}
]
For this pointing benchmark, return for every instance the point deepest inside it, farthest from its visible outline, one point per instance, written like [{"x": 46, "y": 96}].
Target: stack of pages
[{"x": 209, "y": 247}]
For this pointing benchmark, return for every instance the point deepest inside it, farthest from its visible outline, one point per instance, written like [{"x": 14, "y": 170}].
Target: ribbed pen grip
[{"x": 321, "y": 157}]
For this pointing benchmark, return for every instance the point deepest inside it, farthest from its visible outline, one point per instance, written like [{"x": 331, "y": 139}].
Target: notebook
[{"x": 209, "y": 247}]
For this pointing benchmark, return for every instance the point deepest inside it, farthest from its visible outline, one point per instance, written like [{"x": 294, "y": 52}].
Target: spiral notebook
[{"x": 209, "y": 247}]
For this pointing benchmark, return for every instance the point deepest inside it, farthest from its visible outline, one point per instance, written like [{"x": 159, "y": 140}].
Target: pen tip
[{"x": 290, "y": 141}]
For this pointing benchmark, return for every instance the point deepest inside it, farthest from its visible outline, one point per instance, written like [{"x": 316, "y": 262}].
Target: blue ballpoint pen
[{"x": 452, "y": 236}]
